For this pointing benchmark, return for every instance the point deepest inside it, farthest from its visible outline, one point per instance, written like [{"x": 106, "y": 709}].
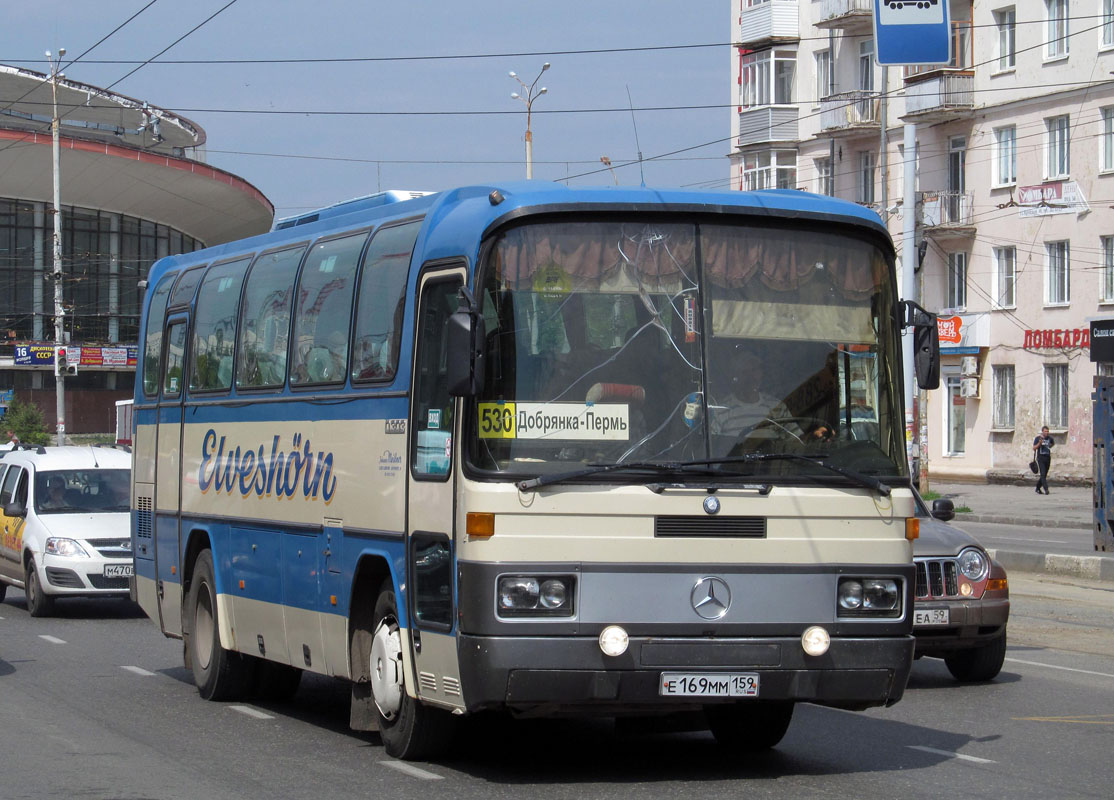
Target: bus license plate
[
  {"x": 118, "y": 570},
  {"x": 709, "y": 684},
  {"x": 930, "y": 616}
]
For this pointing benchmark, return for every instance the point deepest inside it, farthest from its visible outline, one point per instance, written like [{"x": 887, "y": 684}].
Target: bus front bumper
[{"x": 571, "y": 674}]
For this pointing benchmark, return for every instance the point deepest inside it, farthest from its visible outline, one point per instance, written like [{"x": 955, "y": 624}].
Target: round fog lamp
[
  {"x": 966, "y": 589},
  {"x": 815, "y": 641},
  {"x": 613, "y": 640}
]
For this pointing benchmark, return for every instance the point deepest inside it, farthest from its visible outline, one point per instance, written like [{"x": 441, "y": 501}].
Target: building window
[
  {"x": 1056, "y": 395},
  {"x": 770, "y": 169},
  {"x": 1105, "y": 369},
  {"x": 1057, "y": 269},
  {"x": 1107, "y": 269},
  {"x": 1003, "y": 396},
  {"x": 823, "y": 74},
  {"x": 957, "y": 280},
  {"x": 1005, "y": 145},
  {"x": 1107, "y": 39},
  {"x": 867, "y": 160},
  {"x": 1005, "y": 276},
  {"x": 1106, "y": 138},
  {"x": 1006, "y": 20},
  {"x": 1056, "y": 44},
  {"x": 956, "y": 417},
  {"x": 1058, "y": 146},
  {"x": 824, "y": 183},
  {"x": 768, "y": 78}
]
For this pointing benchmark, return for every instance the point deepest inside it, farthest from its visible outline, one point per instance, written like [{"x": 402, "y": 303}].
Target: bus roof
[{"x": 470, "y": 211}]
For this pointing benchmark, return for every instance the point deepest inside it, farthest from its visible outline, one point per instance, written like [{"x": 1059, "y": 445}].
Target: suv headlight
[
  {"x": 868, "y": 597},
  {"x": 64, "y": 547},
  {"x": 535, "y": 596},
  {"x": 973, "y": 565}
]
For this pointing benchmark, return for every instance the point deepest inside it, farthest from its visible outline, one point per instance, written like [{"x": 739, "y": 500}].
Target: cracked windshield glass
[{"x": 639, "y": 341}]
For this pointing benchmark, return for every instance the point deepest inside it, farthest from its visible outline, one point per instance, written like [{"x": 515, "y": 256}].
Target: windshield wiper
[
  {"x": 868, "y": 481},
  {"x": 705, "y": 467},
  {"x": 657, "y": 467}
]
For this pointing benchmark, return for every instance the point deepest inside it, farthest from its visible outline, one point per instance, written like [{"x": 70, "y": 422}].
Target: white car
[{"x": 65, "y": 523}]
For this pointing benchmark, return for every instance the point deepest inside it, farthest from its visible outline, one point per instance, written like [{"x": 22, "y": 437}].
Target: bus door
[
  {"x": 168, "y": 478},
  {"x": 430, "y": 544}
]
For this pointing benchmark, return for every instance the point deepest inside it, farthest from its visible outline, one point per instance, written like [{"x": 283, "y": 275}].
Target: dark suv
[{"x": 962, "y": 597}]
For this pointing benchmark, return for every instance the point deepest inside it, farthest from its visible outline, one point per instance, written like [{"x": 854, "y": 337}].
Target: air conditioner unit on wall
[
  {"x": 969, "y": 365},
  {"x": 969, "y": 387}
]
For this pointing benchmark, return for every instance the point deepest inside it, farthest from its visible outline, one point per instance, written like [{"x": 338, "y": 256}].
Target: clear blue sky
[{"x": 565, "y": 144}]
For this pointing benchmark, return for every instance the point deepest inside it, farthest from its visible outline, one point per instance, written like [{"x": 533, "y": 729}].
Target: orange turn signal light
[
  {"x": 912, "y": 528},
  {"x": 480, "y": 524},
  {"x": 997, "y": 585}
]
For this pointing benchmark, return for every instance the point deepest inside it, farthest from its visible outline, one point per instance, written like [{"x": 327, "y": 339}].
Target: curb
[
  {"x": 1030, "y": 522},
  {"x": 1094, "y": 568}
]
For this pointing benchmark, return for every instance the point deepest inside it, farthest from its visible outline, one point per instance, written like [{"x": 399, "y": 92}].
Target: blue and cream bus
[{"x": 535, "y": 448}]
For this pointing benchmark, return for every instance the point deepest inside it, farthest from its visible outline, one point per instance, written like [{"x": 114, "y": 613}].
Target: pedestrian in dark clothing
[{"x": 1042, "y": 452}]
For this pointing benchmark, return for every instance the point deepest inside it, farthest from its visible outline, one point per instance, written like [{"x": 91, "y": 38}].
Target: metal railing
[{"x": 849, "y": 109}]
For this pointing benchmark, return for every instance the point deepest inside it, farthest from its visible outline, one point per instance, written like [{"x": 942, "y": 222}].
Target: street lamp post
[
  {"x": 59, "y": 312},
  {"x": 528, "y": 96}
]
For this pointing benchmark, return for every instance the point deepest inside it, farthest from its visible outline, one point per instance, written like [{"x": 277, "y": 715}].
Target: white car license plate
[
  {"x": 118, "y": 570},
  {"x": 709, "y": 684},
  {"x": 930, "y": 616}
]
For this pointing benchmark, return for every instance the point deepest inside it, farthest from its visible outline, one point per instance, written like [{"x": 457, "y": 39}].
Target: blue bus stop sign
[{"x": 912, "y": 32}]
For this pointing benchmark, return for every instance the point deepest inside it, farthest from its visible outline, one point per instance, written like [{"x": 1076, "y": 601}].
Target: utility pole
[{"x": 59, "y": 312}]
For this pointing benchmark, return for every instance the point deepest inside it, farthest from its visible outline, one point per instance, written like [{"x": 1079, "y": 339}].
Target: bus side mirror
[
  {"x": 466, "y": 337},
  {"x": 926, "y": 344}
]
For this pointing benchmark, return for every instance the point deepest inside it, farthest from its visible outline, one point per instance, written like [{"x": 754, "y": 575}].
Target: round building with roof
[{"x": 134, "y": 187}]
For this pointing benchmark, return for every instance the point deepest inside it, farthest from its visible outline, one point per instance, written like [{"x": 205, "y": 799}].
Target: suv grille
[{"x": 937, "y": 577}]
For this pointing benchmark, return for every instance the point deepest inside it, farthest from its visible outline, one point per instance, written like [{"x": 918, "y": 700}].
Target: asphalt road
[
  {"x": 95, "y": 704},
  {"x": 1032, "y": 539}
]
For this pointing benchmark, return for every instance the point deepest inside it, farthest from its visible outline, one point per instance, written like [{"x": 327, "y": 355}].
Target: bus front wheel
[
  {"x": 750, "y": 726},
  {"x": 218, "y": 673},
  {"x": 409, "y": 730}
]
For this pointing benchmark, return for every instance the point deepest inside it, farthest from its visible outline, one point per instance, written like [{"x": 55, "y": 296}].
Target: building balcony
[
  {"x": 946, "y": 213},
  {"x": 767, "y": 124},
  {"x": 850, "y": 112},
  {"x": 772, "y": 21},
  {"x": 946, "y": 95},
  {"x": 842, "y": 14}
]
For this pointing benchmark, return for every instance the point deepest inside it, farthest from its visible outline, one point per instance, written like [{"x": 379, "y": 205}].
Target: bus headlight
[
  {"x": 868, "y": 597},
  {"x": 535, "y": 596}
]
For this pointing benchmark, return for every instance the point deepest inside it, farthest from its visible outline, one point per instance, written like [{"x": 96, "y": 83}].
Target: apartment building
[{"x": 1014, "y": 195}]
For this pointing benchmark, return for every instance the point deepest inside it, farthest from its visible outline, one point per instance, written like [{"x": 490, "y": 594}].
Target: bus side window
[
  {"x": 214, "y": 327},
  {"x": 152, "y": 355},
  {"x": 175, "y": 351},
  {"x": 324, "y": 312},
  {"x": 433, "y": 407},
  {"x": 265, "y": 329},
  {"x": 381, "y": 302}
]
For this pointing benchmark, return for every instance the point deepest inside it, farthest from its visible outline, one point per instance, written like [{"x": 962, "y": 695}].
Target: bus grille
[
  {"x": 937, "y": 577},
  {"x": 143, "y": 517},
  {"x": 750, "y": 527}
]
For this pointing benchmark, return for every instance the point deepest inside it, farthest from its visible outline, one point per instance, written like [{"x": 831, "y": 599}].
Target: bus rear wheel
[
  {"x": 409, "y": 730},
  {"x": 218, "y": 673},
  {"x": 750, "y": 726}
]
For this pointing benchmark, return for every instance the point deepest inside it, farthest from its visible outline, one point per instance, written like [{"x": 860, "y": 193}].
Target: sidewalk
[{"x": 1009, "y": 504}]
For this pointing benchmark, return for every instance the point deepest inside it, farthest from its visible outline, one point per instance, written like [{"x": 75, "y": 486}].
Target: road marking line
[
  {"x": 1065, "y": 669},
  {"x": 949, "y": 754},
  {"x": 413, "y": 771},
  {"x": 1095, "y": 719},
  {"x": 51, "y": 639},
  {"x": 251, "y": 712},
  {"x": 138, "y": 670}
]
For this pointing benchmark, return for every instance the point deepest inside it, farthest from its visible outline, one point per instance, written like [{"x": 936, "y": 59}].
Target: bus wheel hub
[{"x": 386, "y": 669}]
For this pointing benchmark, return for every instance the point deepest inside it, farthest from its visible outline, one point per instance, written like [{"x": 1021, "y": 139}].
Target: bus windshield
[{"x": 761, "y": 350}]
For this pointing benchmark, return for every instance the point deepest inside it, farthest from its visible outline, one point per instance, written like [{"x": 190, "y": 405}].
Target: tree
[{"x": 25, "y": 421}]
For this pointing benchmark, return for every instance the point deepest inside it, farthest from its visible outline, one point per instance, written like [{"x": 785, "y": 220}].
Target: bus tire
[
  {"x": 219, "y": 674},
  {"x": 275, "y": 682},
  {"x": 409, "y": 729},
  {"x": 750, "y": 726},
  {"x": 38, "y": 602}
]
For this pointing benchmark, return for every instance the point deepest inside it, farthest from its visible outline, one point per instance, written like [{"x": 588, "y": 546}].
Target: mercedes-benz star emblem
[
  {"x": 711, "y": 504},
  {"x": 711, "y": 597}
]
